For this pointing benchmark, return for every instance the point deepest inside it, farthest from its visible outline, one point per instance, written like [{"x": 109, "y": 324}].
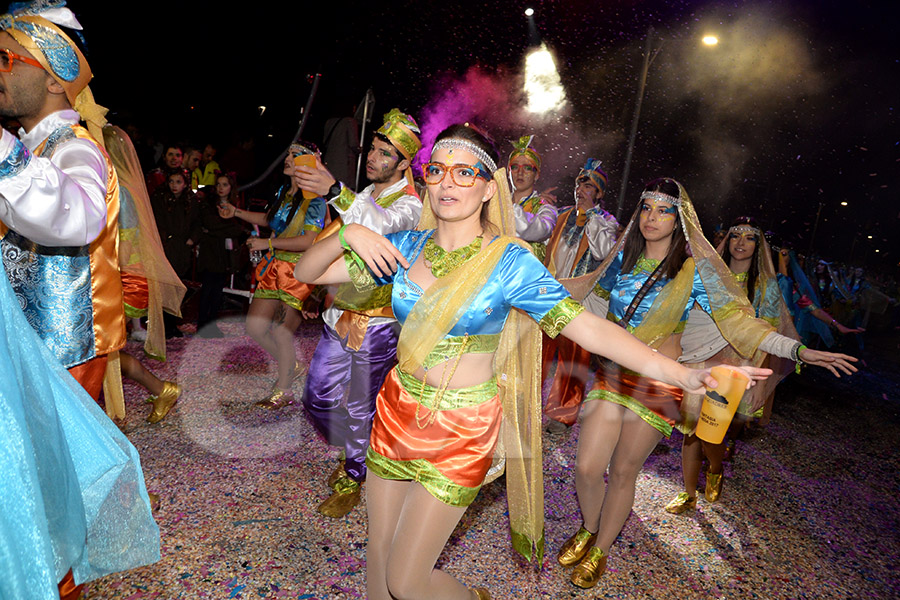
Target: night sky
[{"x": 793, "y": 110}]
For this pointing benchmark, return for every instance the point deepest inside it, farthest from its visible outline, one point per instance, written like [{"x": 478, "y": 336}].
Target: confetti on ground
[{"x": 809, "y": 507}]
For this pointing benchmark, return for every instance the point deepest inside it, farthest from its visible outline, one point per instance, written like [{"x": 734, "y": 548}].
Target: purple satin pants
[{"x": 342, "y": 386}]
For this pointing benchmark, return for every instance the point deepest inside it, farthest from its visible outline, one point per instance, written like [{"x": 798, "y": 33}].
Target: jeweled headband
[
  {"x": 745, "y": 229},
  {"x": 661, "y": 197},
  {"x": 461, "y": 144}
]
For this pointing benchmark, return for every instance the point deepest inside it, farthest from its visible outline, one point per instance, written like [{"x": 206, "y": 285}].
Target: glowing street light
[
  {"x": 710, "y": 40},
  {"x": 844, "y": 203},
  {"x": 543, "y": 87},
  {"x": 529, "y": 12}
]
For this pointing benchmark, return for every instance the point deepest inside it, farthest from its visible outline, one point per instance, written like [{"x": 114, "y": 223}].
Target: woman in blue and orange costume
[
  {"x": 72, "y": 497},
  {"x": 747, "y": 254},
  {"x": 275, "y": 313},
  {"x": 464, "y": 401},
  {"x": 647, "y": 285}
]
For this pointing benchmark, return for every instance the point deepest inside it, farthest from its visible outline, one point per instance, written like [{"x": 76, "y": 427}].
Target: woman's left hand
[
  {"x": 378, "y": 253},
  {"x": 255, "y": 243},
  {"x": 700, "y": 379},
  {"x": 829, "y": 360}
]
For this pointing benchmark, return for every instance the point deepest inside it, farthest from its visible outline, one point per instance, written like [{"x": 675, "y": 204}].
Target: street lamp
[{"x": 710, "y": 40}]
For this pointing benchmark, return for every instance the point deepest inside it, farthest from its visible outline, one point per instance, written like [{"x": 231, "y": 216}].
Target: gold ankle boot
[
  {"x": 714, "y": 486},
  {"x": 588, "y": 572},
  {"x": 277, "y": 399},
  {"x": 336, "y": 475},
  {"x": 681, "y": 503},
  {"x": 342, "y": 501},
  {"x": 574, "y": 549},
  {"x": 163, "y": 403},
  {"x": 481, "y": 594}
]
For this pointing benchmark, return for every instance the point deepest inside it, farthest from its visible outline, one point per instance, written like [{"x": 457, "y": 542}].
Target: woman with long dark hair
[
  {"x": 275, "y": 312},
  {"x": 468, "y": 371},
  {"x": 748, "y": 256},
  {"x": 661, "y": 266},
  {"x": 219, "y": 254}
]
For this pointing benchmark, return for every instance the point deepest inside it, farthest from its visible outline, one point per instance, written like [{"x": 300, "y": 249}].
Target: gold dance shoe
[
  {"x": 277, "y": 399},
  {"x": 342, "y": 501},
  {"x": 576, "y": 547},
  {"x": 481, "y": 594},
  {"x": 336, "y": 475},
  {"x": 681, "y": 503},
  {"x": 714, "y": 486},
  {"x": 163, "y": 403},
  {"x": 588, "y": 572}
]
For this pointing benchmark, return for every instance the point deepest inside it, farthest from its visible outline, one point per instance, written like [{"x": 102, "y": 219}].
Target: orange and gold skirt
[
  {"x": 275, "y": 279},
  {"x": 447, "y": 448},
  {"x": 655, "y": 402},
  {"x": 135, "y": 295}
]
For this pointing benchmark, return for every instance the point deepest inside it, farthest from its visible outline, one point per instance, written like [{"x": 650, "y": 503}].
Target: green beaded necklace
[{"x": 442, "y": 262}]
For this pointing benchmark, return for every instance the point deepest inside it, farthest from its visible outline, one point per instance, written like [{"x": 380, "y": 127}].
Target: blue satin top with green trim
[
  {"x": 621, "y": 288},
  {"x": 519, "y": 280}
]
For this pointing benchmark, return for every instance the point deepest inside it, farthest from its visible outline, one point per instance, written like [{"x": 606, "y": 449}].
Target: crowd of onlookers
[{"x": 205, "y": 250}]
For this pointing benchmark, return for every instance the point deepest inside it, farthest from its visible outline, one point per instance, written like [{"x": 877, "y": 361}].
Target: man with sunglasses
[
  {"x": 359, "y": 341},
  {"x": 59, "y": 198},
  {"x": 581, "y": 239},
  {"x": 535, "y": 212},
  {"x": 59, "y": 202}
]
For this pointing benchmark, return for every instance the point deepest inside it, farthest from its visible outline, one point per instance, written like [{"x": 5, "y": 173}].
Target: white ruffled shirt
[
  {"x": 600, "y": 229},
  {"x": 535, "y": 227},
  {"x": 58, "y": 201},
  {"x": 402, "y": 214}
]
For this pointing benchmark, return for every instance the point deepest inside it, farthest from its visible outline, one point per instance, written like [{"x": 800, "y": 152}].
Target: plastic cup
[
  {"x": 720, "y": 404},
  {"x": 306, "y": 160}
]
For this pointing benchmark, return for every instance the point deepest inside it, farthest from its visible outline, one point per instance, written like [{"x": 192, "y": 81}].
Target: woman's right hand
[
  {"x": 226, "y": 209},
  {"x": 379, "y": 254}
]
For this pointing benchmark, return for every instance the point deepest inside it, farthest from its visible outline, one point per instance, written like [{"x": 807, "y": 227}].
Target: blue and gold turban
[
  {"x": 36, "y": 27},
  {"x": 594, "y": 173}
]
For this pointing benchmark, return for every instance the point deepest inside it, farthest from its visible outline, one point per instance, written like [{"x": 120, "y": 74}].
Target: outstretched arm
[
  {"x": 321, "y": 265},
  {"x": 608, "y": 339}
]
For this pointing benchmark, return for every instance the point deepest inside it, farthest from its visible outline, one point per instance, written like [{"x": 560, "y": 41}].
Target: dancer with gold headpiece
[
  {"x": 659, "y": 269},
  {"x": 467, "y": 373},
  {"x": 359, "y": 340},
  {"x": 59, "y": 196},
  {"x": 748, "y": 256},
  {"x": 534, "y": 211},
  {"x": 583, "y": 236},
  {"x": 296, "y": 219},
  {"x": 59, "y": 201}
]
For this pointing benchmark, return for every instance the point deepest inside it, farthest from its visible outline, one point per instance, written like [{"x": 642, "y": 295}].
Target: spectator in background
[
  {"x": 172, "y": 160},
  {"x": 175, "y": 211},
  {"x": 189, "y": 163},
  {"x": 341, "y": 143},
  {"x": 221, "y": 244},
  {"x": 205, "y": 172}
]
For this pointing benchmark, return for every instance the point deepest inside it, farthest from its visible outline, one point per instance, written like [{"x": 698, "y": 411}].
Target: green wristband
[{"x": 344, "y": 243}]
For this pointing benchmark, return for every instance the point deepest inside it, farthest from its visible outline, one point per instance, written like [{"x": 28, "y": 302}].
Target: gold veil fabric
[
  {"x": 140, "y": 249},
  {"x": 516, "y": 367}
]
